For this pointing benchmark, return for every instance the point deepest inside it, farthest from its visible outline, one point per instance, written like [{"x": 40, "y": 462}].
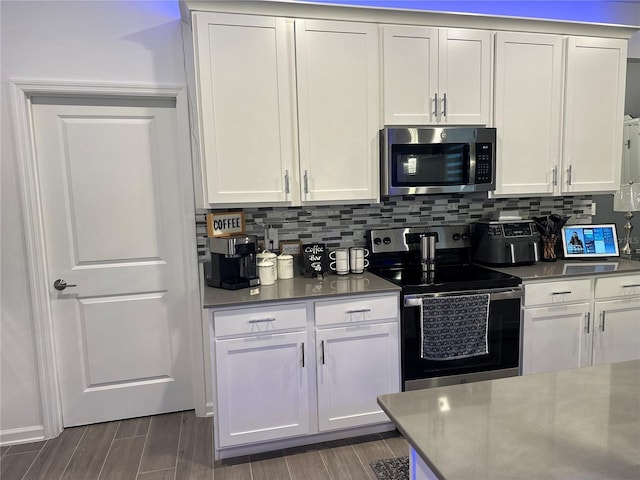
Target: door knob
[{"x": 60, "y": 284}]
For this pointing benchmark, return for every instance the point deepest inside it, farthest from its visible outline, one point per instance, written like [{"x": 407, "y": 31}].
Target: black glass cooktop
[{"x": 446, "y": 278}]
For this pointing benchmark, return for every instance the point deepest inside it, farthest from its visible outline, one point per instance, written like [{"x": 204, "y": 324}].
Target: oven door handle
[{"x": 416, "y": 300}]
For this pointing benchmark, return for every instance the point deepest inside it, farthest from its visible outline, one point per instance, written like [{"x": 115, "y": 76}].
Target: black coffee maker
[{"x": 233, "y": 262}]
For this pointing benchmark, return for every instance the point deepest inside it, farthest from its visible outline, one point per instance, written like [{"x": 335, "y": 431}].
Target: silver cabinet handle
[
  {"x": 322, "y": 351},
  {"x": 435, "y": 105},
  {"x": 302, "y": 354},
  {"x": 361, "y": 310},
  {"x": 60, "y": 284},
  {"x": 262, "y": 320},
  {"x": 286, "y": 182},
  {"x": 444, "y": 105},
  {"x": 555, "y": 176},
  {"x": 569, "y": 173},
  {"x": 306, "y": 182},
  {"x": 561, "y": 293},
  {"x": 602, "y": 317},
  {"x": 588, "y": 319},
  {"x": 633, "y": 285}
]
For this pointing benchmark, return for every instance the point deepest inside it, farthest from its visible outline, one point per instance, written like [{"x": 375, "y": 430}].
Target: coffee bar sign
[{"x": 223, "y": 224}]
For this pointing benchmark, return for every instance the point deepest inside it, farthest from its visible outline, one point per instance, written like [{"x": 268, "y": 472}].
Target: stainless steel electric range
[{"x": 396, "y": 255}]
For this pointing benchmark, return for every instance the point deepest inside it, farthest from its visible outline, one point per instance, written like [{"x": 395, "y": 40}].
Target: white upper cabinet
[
  {"x": 558, "y": 113},
  {"x": 594, "y": 114},
  {"x": 249, "y": 103},
  {"x": 246, "y": 86},
  {"x": 436, "y": 75},
  {"x": 338, "y": 109},
  {"x": 528, "y": 112}
]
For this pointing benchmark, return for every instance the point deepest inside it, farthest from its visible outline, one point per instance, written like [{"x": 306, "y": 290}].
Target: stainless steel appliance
[
  {"x": 425, "y": 160},
  {"x": 396, "y": 256},
  {"x": 505, "y": 243},
  {"x": 232, "y": 262}
]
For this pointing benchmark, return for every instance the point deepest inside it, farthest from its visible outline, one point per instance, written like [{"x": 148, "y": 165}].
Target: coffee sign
[
  {"x": 315, "y": 259},
  {"x": 225, "y": 223}
]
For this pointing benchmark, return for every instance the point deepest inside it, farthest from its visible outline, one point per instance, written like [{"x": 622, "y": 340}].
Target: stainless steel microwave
[{"x": 425, "y": 160}]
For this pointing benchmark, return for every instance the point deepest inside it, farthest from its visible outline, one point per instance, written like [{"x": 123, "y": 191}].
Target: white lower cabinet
[
  {"x": 355, "y": 365},
  {"x": 263, "y": 389},
  {"x": 578, "y": 323},
  {"x": 274, "y": 381}
]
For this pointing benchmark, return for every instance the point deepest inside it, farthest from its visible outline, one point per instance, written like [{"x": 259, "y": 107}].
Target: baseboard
[{"x": 15, "y": 436}]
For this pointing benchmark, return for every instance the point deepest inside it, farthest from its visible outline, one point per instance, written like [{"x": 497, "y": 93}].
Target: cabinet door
[
  {"x": 246, "y": 89},
  {"x": 528, "y": 113},
  {"x": 355, "y": 365},
  {"x": 617, "y": 333},
  {"x": 556, "y": 338},
  {"x": 594, "y": 112},
  {"x": 262, "y": 387},
  {"x": 464, "y": 76},
  {"x": 410, "y": 70},
  {"x": 338, "y": 109}
]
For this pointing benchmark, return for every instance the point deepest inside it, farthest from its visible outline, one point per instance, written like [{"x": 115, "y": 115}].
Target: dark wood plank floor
[{"x": 178, "y": 446}]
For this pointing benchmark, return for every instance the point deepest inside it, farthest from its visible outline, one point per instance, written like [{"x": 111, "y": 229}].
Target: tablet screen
[{"x": 590, "y": 241}]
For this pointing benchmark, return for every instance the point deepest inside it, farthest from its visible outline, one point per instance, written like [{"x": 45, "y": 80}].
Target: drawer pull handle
[
  {"x": 360, "y": 310},
  {"x": 561, "y": 293},
  {"x": 633, "y": 285},
  {"x": 262, "y": 320}
]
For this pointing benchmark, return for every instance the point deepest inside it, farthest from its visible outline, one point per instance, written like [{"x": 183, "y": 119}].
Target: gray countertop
[
  {"x": 566, "y": 268},
  {"x": 572, "y": 424},
  {"x": 299, "y": 288}
]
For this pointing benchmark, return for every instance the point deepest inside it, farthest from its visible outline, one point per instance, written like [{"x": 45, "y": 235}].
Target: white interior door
[{"x": 111, "y": 212}]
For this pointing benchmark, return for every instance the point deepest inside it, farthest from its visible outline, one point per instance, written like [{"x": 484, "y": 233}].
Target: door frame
[{"x": 21, "y": 94}]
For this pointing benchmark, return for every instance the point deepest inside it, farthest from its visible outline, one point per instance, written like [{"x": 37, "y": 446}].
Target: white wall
[{"x": 92, "y": 41}]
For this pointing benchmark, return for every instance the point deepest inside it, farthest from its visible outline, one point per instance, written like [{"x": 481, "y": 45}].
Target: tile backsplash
[{"x": 345, "y": 225}]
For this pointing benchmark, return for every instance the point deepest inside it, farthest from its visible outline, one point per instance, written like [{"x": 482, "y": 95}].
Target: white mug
[
  {"x": 357, "y": 261},
  {"x": 341, "y": 264},
  {"x": 267, "y": 256},
  {"x": 285, "y": 266},
  {"x": 267, "y": 272}
]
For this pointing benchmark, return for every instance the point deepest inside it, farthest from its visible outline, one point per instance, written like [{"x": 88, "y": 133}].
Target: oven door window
[{"x": 437, "y": 164}]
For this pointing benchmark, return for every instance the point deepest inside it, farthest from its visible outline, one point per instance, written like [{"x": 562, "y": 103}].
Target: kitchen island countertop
[
  {"x": 572, "y": 424},
  {"x": 299, "y": 288},
  {"x": 571, "y": 268}
]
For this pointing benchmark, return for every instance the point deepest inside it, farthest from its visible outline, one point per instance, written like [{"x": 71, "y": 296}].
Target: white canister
[
  {"x": 267, "y": 272},
  {"x": 267, "y": 256},
  {"x": 285, "y": 266}
]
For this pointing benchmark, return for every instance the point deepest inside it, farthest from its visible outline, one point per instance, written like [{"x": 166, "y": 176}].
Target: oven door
[{"x": 503, "y": 338}]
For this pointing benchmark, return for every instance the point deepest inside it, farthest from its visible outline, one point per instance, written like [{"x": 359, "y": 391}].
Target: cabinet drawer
[
  {"x": 557, "y": 292},
  {"x": 356, "y": 309},
  {"x": 263, "y": 319},
  {"x": 618, "y": 286}
]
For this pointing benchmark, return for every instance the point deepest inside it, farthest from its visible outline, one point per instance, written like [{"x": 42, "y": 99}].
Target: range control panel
[
  {"x": 389, "y": 240},
  {"x": 510, "y": 229}
]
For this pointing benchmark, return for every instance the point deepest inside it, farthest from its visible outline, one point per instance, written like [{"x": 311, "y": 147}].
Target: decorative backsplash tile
[{"x": 345, "y": 225}]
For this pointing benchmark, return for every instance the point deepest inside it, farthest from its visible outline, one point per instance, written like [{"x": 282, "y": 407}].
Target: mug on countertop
[
  {"x": 357, "y": 261},
  {"x": 341, "y": 261}
]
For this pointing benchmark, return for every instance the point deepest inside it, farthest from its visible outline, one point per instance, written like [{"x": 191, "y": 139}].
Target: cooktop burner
[{"x": 446, "y": 278}]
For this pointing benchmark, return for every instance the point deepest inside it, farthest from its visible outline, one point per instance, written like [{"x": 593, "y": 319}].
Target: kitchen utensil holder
[{"x": 548, "y": 248}]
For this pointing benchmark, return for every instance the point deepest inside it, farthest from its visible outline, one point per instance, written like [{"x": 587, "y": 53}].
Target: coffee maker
[{"x": 232, "y": 263}]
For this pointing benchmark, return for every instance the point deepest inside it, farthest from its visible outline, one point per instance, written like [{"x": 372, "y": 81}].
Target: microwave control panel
[{"x": 484, "y": 161}]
